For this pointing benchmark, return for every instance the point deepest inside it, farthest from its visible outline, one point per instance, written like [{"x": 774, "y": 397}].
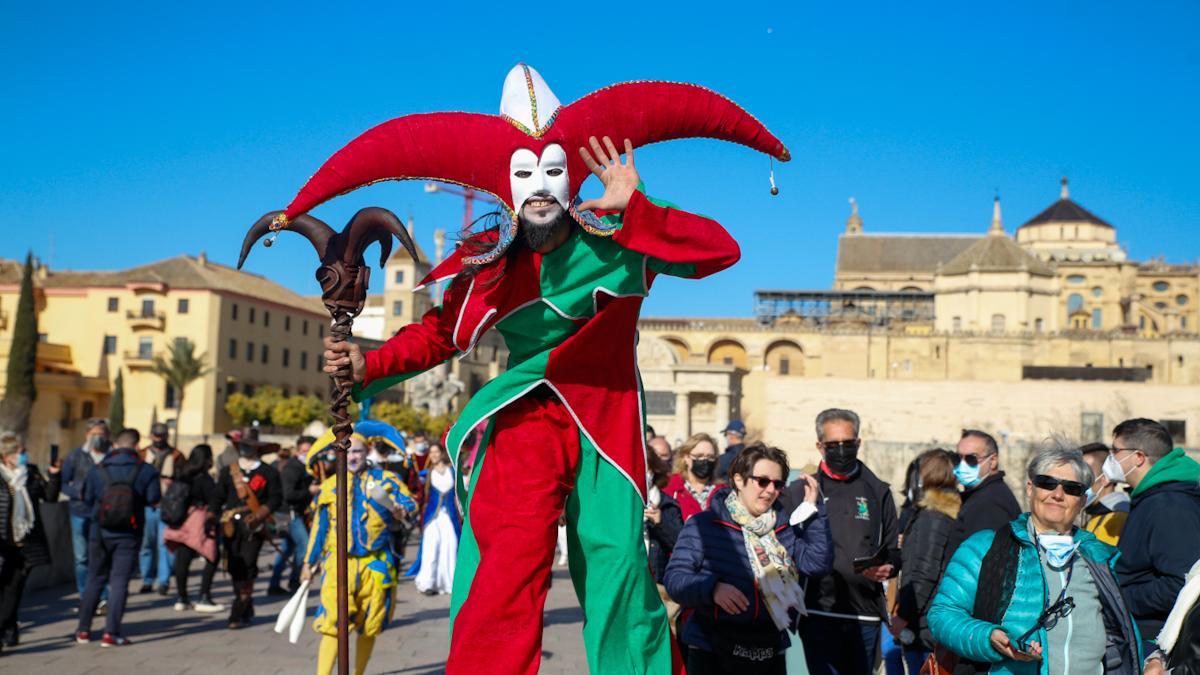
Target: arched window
[
  {"x": 1038, "y": 325},
  {"x": 1074, "y": 303},
  {"x": 785, "y": 358},
  {"x": 730, "y": 353},
  {"x": 956, "y": 324},
  {"x": 1076, "y": 279},
  {"x": 997, "y": 323}
]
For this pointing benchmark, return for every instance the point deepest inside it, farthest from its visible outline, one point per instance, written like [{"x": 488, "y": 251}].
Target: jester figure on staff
[{"x": 563, "y": 282}]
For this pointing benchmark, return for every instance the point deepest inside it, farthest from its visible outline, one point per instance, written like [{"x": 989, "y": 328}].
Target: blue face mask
[
  {"x": 22, "y": 459},
  {"x": 967, "y": 475},
  {"x": 1058, "y": 547}
]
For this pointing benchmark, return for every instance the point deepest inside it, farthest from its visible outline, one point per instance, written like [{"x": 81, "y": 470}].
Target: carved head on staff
[{"x": 343, "y": 273}]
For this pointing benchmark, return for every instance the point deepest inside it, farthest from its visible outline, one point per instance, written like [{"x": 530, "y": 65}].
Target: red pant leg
[{"x": 519, "y": 493}]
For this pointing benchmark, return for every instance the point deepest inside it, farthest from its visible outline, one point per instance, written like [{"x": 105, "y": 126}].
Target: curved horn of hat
[
  {"x": 649, "y": 112},
  {"x": 453, "y": 147}
]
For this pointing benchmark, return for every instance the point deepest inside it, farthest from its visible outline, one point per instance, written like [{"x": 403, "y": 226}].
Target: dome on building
[{"x": 1065, "y": 210}]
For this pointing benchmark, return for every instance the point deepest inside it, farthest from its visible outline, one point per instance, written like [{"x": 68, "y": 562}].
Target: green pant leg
[{"x": 625, "y": 625}]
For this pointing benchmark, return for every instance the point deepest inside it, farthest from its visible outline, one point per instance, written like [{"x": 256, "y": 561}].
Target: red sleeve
[
  {"x": 675, "y": 236},
  {"x": 418, "y": 347}
]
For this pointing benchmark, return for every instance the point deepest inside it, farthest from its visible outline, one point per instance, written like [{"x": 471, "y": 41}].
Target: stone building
[
  {"x": 92, "y": 325},
  {"x": 1054, "y": 330}
]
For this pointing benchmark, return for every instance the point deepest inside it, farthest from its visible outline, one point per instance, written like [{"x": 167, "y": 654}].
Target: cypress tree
[
  {"x": 116, "y": 405},
  {"x": 19, "y": 392}
]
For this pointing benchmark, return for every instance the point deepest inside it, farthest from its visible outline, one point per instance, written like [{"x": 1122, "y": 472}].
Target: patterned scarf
[
  {"x": 773, "y": 567},
  {"x": 22, "y": 505}
]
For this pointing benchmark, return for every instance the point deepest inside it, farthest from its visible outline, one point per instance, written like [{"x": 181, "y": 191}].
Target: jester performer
[
  {"x": 376, "y": 500},
  {"x": 563, "y": 282}
]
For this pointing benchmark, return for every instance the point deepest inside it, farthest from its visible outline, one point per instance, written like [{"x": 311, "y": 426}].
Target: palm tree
[{"x": 180, "y": 368}]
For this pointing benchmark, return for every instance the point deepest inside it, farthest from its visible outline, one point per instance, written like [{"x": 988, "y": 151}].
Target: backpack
[
  {"x": 173, "y": 509},
  {"x": 119, "y": 503}
]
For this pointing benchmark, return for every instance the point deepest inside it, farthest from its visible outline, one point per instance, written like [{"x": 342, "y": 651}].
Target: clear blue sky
[{"x": 137, "y": 133}]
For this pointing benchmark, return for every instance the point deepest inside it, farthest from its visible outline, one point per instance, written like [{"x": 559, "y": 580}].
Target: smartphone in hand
[{"x": 53, "y": 454}]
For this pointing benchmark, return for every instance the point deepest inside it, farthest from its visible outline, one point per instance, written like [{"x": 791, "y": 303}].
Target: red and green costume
[{"x": 565, "y": 421}]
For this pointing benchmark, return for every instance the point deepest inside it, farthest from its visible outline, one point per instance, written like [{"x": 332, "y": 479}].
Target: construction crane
[{"x": 468, "y": 195}]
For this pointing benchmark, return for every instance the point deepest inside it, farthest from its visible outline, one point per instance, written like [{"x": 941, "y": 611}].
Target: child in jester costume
[{"x": 563, "y": 282}]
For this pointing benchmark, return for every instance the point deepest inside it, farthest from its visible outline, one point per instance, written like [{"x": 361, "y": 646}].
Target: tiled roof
[
  {"x": 180, "y": 272},
  {"x": 996, "y": 253},
  {"x": 899, "y": 253},
  {"x": 1065, "y": 210}
]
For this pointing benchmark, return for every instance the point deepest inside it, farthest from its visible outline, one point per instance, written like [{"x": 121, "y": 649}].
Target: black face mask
[
  {"x": 703, "y": 468},
  {"x": 841, "y": 460}
]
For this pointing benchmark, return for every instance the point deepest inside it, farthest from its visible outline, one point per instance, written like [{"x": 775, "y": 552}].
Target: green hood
[{"x": 1175, "y": 466}]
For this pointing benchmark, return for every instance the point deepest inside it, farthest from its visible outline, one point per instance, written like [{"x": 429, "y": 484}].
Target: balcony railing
[
  {"x": 139, "y": 359},
  {"x": 146, "y": 320}
]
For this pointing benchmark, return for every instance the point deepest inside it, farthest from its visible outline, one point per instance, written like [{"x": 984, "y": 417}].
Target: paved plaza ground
[{"x": 167, "y": 642}]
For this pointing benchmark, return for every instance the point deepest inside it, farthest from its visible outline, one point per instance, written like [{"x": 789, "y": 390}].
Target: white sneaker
[
  {"x": 208, "y": 607},
  {"x": 182, "y": 606}
]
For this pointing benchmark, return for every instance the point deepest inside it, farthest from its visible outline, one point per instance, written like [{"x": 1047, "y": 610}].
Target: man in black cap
[
  {"x": 249, "y": 492},
  {"x": 156, "y": 560},
  {"x": 735, "y": 439}
]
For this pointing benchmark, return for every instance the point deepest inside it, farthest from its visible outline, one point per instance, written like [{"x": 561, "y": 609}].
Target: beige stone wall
[
  {"x": 932, "y": 414},
  {"x": 968, "y": 302},
  {"x": 898, "y": 355}
]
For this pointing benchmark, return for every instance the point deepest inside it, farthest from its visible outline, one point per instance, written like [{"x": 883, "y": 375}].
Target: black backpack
[
  {"x": 119, "y": 503},
  {"x": 173, "y": 509}
]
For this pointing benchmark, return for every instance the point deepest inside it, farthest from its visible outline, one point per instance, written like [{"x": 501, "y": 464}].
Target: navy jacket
[
  {"x": 711, "y": 549},
  {"x": 1158, "y": 545},
  {"x": 75, "y": 468},
  {"x": 121, "y": 464}
]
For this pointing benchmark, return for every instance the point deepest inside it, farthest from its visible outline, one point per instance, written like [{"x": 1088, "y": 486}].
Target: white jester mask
[
  {"x": 527, "y": 102},
  {"x": 545, "y": 176}
]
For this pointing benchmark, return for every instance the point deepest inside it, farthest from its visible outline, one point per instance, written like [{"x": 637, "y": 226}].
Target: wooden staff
[{"x": 344, "y": 277}]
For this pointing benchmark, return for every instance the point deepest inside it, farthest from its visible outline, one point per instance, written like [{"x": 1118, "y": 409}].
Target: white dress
[{"x": 439, "y": 543}]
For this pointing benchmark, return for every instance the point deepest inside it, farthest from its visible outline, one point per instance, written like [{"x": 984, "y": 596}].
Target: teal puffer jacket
[{"x": 953, "y": 626}]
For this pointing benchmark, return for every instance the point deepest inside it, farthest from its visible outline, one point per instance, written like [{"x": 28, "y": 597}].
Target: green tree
[
  {"x": 297, "y": 411},
  {"x": 439, "y": 424},
  {"x": 239, "y": 408},
  {"x": 116, "y": 405},
  {"x": 19, "y": 392},
  {"x": 407, "y": 418},
  {"x": 181, "y": 367}
]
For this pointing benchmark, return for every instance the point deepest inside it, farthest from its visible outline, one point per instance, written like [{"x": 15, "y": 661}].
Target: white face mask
[
  {"x": 1113, "y": 470},
  {"x": 1059, "y": 548},
  {"x": 529, "y": 174}
]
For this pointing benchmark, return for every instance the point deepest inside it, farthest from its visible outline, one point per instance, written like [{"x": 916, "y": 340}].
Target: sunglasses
[
  {"x": 850, "y": 444},
  {"x": 1048, "y": 620},
  {"x": 1050, "y": 483},
  {"x": 971, "y": 460},
  {"x": 763, "y": 482}
]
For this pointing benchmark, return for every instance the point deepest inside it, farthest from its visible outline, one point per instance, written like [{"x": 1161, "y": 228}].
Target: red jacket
[{"x": 677, "y": 488}]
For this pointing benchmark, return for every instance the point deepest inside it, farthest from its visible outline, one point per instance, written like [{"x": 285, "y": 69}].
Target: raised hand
[{"x": 619, "y": 179}]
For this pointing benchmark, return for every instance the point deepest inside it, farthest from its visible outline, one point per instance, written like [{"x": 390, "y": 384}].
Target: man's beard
[{"x": 537, "y": 235}]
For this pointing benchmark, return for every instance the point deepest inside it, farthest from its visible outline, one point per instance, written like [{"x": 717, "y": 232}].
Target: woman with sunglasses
[
  {"x": 1038, "y": 596},
  {"x": 737, "y": 568}
]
